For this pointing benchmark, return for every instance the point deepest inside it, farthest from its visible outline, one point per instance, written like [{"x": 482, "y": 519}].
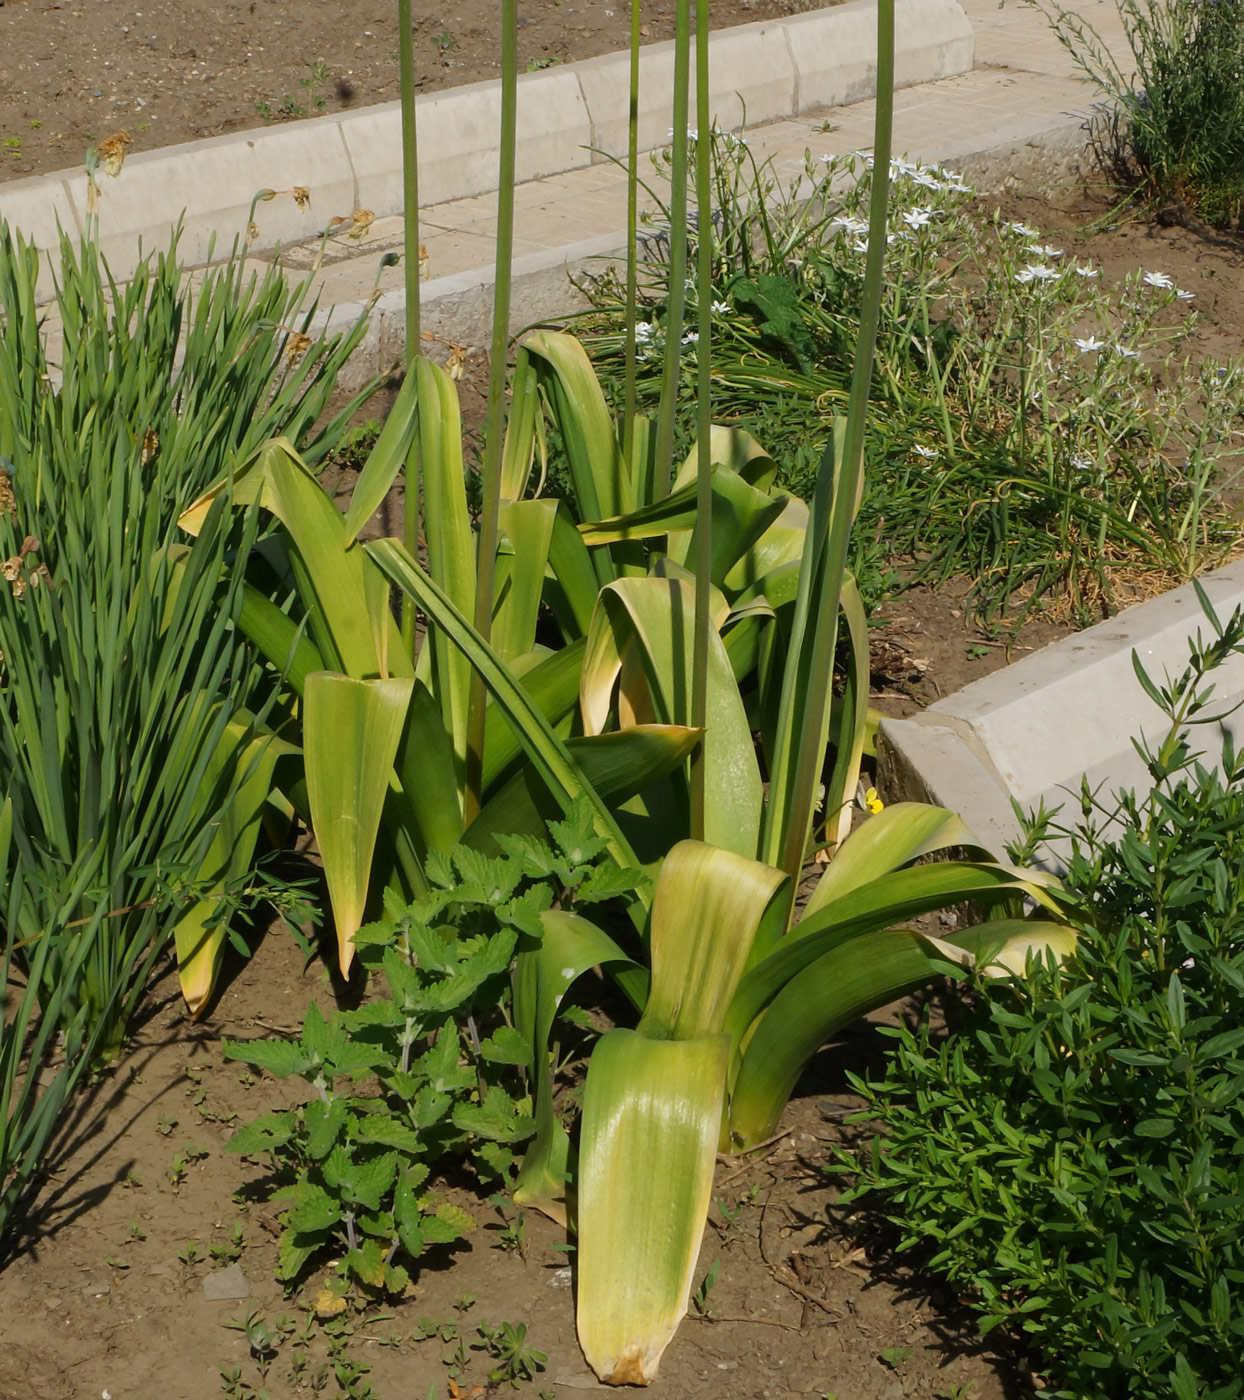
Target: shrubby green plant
[
  {"x": 1071, "y": 1158},
  {"x": 1178, "y": 121}
]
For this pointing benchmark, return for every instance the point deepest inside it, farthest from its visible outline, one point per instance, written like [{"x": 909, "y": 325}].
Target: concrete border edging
[
  {"x": 568, "y": 117},
  {"x": 1034, "y": 729}
]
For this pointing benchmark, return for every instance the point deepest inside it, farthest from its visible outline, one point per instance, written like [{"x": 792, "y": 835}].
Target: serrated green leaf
[
  {"x": 506, "y": 1047},
  {"x": 313, "y": 1211},
  {"x": 324, "y": 1124},
  {"x": 293, "y": 1251},
  {"x": 388, "y": 1132},
  {"x": 264, "y": 1134},
  {"x": 370, "y": 1181},
  {"x": 279, "y": 1057}
]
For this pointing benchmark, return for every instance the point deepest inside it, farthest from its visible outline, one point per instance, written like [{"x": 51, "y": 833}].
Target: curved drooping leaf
[
  {"x": 895, "y": 837},
  {"x": 570, "y": 946},
  {"x": 862, "y": 973},
  {"x": 647, "y": 1146},
  {"x": 871, "y": 908}
]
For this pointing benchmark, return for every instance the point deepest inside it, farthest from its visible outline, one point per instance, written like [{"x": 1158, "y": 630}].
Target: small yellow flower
[{"x": 873, "y": 802}]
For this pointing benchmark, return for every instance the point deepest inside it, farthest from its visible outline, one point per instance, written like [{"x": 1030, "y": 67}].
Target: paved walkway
[{"x": 1024, "y": 84}]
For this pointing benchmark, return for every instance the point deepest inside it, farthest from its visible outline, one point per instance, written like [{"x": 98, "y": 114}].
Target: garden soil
[
  {"x": 73, "y": 72},
  {"x": 108, "y": 1294}
]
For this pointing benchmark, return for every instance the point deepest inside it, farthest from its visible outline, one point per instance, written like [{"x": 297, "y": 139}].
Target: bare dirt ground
[{"x": 73, "y": 72}]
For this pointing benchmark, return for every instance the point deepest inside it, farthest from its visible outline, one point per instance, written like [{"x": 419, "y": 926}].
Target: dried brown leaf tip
[
  {"x": 111, "y": 152},
  {"x": 296, "y": 346}
]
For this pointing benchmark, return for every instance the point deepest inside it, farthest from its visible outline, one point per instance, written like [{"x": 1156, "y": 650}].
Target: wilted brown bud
[
  {"x": 302, "y": 196},
  {"x": 111, "y": 152},
  {"x": 363, "y": 220},
  {"x": 296, "y": 346}
]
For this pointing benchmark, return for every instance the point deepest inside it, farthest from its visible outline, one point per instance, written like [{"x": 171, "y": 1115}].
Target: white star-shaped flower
[
  {"x": 928, "y": 453},
  {"x": 1157, "y": 279},
  {"x": 1036, "y": 272},
  {"x": 1125, "y": 353},
  {"x": 1081, "y": 463},
  {"x": 917, "y": 218},
  {"x": 1044, "y": 250},
  {"x": 1024, "y": 230},
  {"x": 1089, "y": 344},
  {"x": 1184, "y": 296},
  {"x": 1087, "y": 271}
]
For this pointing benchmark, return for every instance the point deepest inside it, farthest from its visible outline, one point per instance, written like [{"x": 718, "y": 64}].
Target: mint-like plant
[
  {"x": 1072, "y": 1160},
  {"x": 443, "y": 1068}
]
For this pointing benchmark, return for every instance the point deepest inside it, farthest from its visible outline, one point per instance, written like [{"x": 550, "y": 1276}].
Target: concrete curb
[
  {"x": 568, "y": 117},
  {"x": 1035, "y": 729}
]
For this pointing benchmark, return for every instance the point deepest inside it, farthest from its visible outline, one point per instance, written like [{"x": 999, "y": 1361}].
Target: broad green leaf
[
  {"x": 892, "y": 899},
  {"x": 893, "y": 838},
  {"x": 528, "y": 530},
  {"x": 351, "y": 731},
  {"x": 332, "y": 575},
  {"x": 384, "y": 461},
  {"x": 737, "y": 452},
  {"x": 741, "y": 515},
  {"x": 279, "y": 638},
  {"x": 706, "y": 909},
  {"x": 199, "y": 934},
  {"x": 533, "y": 731},
  {"x": 430, "y": 776},
  {"x": 648, "y": 1141},
  {"x": 859, "y": 974},
  {"x": 617, "y": 765},
  {"x": 542, "y": 976},
  {"x": 521, "y": 427},
  {"x": 602, "y": 481},
  {"x": 450, "y": 541},
  {"x": 653, "y": 620}
]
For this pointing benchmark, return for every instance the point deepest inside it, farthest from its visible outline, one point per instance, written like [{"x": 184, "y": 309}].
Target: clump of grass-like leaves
[
  {"x": 1177, "y": 128},
  {"x": 129, "y": 713}
]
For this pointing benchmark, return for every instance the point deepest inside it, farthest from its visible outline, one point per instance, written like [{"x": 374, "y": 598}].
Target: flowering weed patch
[{"x": 1034, "y": 428}]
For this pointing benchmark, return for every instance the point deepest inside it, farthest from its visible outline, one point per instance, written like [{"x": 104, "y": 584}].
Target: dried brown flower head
[{"x": 111, "y": 152}]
